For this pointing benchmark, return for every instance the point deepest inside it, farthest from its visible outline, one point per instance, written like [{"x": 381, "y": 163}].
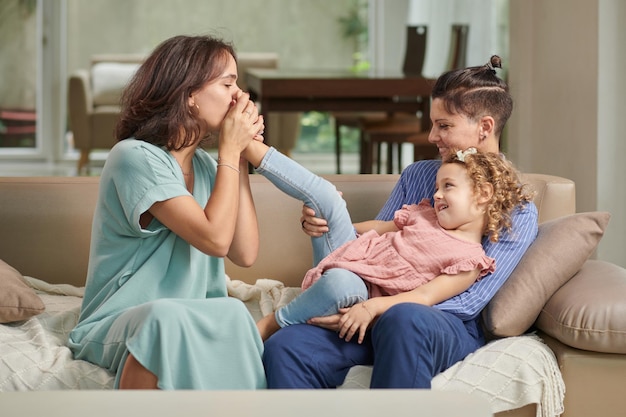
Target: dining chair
[
  {"x": 397, "y": 130},
  {"x": 372, "y": 125},
  {"x": 394, "y": 130}
]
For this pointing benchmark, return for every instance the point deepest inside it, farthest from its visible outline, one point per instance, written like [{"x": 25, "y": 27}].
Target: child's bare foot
[
  {"x": 267, "y": 326},
  {"x": 254, "y": 152}
]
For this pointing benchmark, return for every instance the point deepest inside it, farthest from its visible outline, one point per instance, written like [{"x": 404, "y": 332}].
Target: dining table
[{"x": 340, "y": 90}]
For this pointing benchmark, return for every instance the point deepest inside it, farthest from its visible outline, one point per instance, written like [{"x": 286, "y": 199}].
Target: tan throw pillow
[
  {"x": 17, "y": 300},
  {"x": 561, "y": 248},
  {"x": 589, "y": 311}
]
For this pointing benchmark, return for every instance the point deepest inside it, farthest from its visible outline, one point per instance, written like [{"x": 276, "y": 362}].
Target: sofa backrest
[
  {"x": 45, "y": 222},
  {"x": 285, "y": 252}
]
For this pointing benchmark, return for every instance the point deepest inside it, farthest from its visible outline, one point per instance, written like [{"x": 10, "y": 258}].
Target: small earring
[{"x": 197, "y": 107}]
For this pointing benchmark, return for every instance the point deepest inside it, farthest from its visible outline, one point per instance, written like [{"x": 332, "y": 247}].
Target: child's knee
[{"x": 339, "y": 283}]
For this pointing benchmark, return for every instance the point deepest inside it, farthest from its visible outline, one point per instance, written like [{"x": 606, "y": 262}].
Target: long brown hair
[
  {"x": 476, "y": 92},
  {"x": 155, "y": 105}
]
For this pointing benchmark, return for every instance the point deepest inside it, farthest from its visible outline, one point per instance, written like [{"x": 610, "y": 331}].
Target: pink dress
[{"x": 401, "y": 261}]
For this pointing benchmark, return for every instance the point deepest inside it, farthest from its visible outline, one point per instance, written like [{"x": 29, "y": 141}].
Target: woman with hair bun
[{"x": 410, "y": 343}]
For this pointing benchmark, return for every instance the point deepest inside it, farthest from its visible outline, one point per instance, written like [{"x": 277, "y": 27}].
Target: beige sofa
[
  {"x": 45, "y": 225},
  {"x": 94, "y": 94}
]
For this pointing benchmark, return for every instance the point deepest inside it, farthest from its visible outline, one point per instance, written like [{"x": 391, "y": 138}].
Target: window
[{"x": 18, "y": 109}]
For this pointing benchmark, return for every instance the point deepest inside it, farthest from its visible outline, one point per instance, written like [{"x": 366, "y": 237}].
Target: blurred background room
[{"x": 562, "y": 60}]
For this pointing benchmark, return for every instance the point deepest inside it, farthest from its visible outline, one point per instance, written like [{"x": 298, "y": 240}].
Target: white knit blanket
[{"x": 510, "y": 373}]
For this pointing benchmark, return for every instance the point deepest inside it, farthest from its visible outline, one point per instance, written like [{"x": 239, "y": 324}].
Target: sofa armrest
[
  {"x": 555, "y": 196},
  {"x": 589, "y": 311},
  {"x": 80, "y": 105}
]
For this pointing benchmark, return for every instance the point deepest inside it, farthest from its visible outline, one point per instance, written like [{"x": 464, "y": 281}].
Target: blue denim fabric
[
  {"x": 427, "y": 340},
  {"x": 337, "y": 287},
  {"x": 413, "y": 343}
]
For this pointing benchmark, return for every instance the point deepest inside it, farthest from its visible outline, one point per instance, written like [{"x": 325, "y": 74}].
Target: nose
[
  {"x": 437, "y": 195},
  {"x": 432, "y": 137}
]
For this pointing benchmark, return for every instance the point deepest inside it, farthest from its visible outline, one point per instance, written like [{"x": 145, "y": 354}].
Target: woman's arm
[
  {"x": 433, "y": 292},
  {"x": 416, "y": 182},
  {"x": 229, "y": 212},
  {"x": 245, "y": 246},
  {"x": 507, "y": 253},
  {"x": 210, "y": 229},
  {"x": 358, "y": 317},
  {"x": 227, "y": 226}
]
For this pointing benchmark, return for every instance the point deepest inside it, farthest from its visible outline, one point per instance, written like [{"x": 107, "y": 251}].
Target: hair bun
[{"x": 494, "y": 62}]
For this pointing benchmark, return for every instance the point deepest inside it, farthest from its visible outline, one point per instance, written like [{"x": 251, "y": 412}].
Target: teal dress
[{"x": 151, "y": 293}]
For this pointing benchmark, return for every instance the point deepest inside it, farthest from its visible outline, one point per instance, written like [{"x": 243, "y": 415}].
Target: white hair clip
[{"x": 460, "y": 155}]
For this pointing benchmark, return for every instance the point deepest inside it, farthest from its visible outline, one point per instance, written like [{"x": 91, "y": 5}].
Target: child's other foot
[{"x": 267, "y": 326}]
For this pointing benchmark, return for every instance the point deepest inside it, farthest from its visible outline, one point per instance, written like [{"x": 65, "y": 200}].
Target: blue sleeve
[
  {"x": 507, "y": 252},
  {"x": 416, "y": 183}
]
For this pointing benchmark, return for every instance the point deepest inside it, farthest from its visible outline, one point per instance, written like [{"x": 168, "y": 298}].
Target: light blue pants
[{"x": 336, "y": 288}]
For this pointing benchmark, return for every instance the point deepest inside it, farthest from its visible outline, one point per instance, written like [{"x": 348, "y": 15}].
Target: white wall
[
  {"x": 611, "y": 190},
  {"x": 304, "y": 33},
  {"x": 569, "y": 96},
  {"x": 564, "y": 68}
]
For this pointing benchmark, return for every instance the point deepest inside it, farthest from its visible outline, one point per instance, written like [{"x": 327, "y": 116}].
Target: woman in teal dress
[{"x": 156, "y": 310}]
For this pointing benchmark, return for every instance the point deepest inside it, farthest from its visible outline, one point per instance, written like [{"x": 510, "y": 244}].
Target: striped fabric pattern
[{"x": 418, "y": 182}]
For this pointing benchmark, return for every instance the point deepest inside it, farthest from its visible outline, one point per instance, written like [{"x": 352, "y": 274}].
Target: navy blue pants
[{"x": 409, "y": 345}]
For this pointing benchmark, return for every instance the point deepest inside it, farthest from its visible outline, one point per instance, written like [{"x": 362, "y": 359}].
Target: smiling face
[
  {"x": 456, "y": 131},
  {"x": 215, "y": 98},
  {"x": 456, "y": 205}
]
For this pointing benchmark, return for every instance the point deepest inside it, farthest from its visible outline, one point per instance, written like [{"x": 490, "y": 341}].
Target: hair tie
[
  {"x": 460, "y": 155},
  {"x": 490, "y": 67}
]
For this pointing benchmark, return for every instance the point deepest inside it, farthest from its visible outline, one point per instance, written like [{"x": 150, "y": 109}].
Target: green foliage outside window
[
  {"x": 318, "y": 129},
  {"x": 318, "y": 135}
]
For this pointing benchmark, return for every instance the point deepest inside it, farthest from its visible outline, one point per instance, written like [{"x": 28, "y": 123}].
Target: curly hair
[
  {"x": 508, "y": 190},
  {"x": 155, "y": 103}
]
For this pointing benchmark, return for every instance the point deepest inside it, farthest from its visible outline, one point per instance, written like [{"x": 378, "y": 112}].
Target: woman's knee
[
  {"x": 159, "y": 310},
  {"x": 405, "y": 311},
  {"x": 282, "y": 347},
  {"x": 404, "y": 318}
]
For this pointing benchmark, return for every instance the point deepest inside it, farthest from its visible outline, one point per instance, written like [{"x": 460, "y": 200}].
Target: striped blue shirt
[{"x": 418, "y": 182}]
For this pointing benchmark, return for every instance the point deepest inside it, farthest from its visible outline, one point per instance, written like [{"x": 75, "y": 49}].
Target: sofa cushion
[
  {"x": 559, "y": 251},
  {"x": 108, "y": 80},
  {"x": 589, "y": 311},
  {"x": 17, "y": 300}
]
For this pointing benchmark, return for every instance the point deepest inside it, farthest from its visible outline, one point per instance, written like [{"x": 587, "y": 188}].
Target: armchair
[{"x": 93, "y": 102}]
